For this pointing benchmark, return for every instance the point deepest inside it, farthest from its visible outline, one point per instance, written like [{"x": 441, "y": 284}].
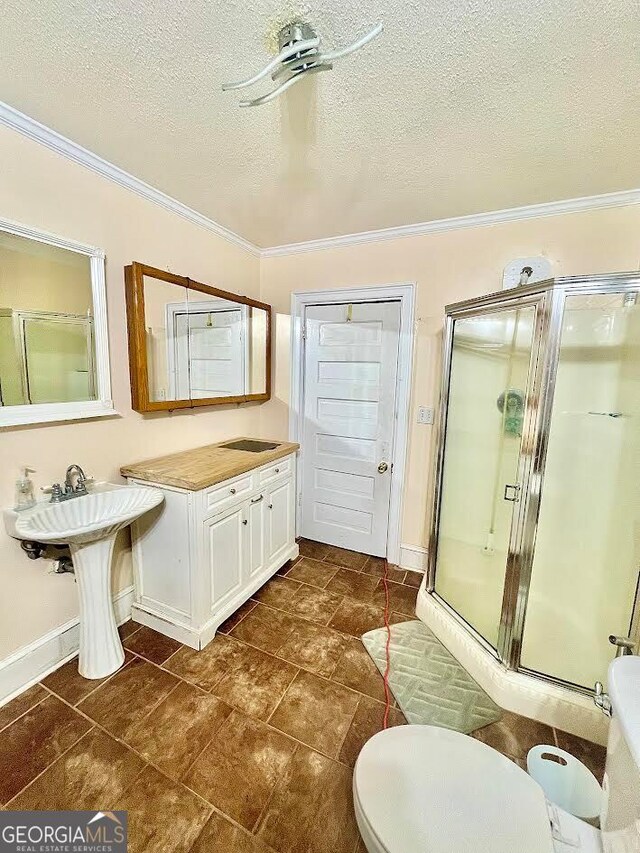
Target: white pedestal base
[{"x": 101, "y": 651}]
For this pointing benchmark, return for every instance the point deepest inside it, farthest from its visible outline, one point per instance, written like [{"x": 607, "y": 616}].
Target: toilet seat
[{"x": 421, "y": 789}]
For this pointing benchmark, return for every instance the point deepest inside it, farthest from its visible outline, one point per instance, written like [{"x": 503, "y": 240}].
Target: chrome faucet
[{"x": 60, "y": 493}]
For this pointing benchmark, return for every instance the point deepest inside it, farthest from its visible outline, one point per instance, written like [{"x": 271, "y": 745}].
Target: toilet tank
[{"x": 620, "y": 816}]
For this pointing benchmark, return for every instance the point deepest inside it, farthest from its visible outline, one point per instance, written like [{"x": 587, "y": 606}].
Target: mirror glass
[
  {"x": 225, "y": 353},
  {"x": 47, "y": 351},
  {"x": 166, "y": 337}
]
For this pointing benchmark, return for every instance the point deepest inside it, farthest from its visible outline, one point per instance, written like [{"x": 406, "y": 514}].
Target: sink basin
[
  {"x": 86, "y": 519},
  {"x": 251, "y": 445},
  {"x": 89, "y": 525}
]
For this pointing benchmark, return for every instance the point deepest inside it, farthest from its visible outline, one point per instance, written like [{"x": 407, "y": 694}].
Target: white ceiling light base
[
  {"x": 300, "y": 54},
  {"x": 537, "y": 269}
]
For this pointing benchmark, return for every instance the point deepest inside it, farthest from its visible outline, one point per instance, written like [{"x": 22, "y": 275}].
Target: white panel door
[
  {"x": 225, "y": 554},
  {"x": 210, "y": 360},
  {"x": 280, "y": 521},
  {"x": 351, "y": 360}
]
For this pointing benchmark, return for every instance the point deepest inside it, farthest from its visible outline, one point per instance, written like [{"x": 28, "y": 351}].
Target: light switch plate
[{"x": 425, "y": 415}]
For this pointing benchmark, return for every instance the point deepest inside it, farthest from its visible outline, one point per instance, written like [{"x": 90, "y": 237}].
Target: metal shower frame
[{"x": 548, "y": 298}]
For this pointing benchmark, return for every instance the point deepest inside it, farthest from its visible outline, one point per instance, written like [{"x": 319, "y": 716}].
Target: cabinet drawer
[
  {"x": 225, "y": 494},
  {"x": 277, "y": 469}
]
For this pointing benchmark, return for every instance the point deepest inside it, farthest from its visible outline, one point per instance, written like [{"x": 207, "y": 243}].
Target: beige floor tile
[
  {"x": 514, "y": 735},
  {"x": 151, "y": 645},
  {"x": 229, "y": 624},
  {"x": 316, "y": 712},
  {"x": 33, "y": 741},
  {"x": 375, "y": 566},
  {"x": 313, "y": 572},
  {"x": 221, "y": 836},
  {"x": 367, "y": 722},
  {"x": 238, "y": 770},
  {"x": 313, "y": 647},
  {"x": 207, "y": 666},
  {"x": 277, "y": 592},
  {"x": 121, "y": 702},
  {"x": 178, "y": 729},
  {"x": 356, "y": 669},
  {"x": 311, "y": 810},
  {"x": 256, "y": 682},
  {"x": 347, "y": 559},
  {"x": 357, "y": 617},
  {"x": 355, "y": 584},
  {"x": 313, "y": 604},
  {"x": 265, "y": 628},
  {"x": 22, "y": 703},
  {"x": 67, "y": 682},
  {"x": 402, "y": 598},
  {"x": 93, "y": 774},
  {"x": 163, "y": 816},
  {"x": 315, "y": 550}
]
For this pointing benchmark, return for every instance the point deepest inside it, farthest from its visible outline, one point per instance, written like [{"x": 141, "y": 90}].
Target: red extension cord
[{"x": 385, "y": 677}]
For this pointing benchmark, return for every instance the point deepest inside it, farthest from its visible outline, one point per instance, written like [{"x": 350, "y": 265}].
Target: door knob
[{"x": 382, "y": 467}]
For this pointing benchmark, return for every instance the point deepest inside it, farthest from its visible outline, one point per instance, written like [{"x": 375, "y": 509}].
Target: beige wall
[
  {"x": 447, "y": 267},
  {"x": 38, "y": 277},
  {"x": 43, "y": 190}
]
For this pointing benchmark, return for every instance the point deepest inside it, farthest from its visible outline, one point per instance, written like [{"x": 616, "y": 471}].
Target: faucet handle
[{"x": 56, "y": 492}]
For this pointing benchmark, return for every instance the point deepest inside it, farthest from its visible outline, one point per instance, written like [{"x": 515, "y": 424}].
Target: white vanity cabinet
[{"x": 206, "y": 551}]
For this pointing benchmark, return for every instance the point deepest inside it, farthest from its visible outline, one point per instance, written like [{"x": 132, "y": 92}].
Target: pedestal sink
[{"x": 89, "y": 525}]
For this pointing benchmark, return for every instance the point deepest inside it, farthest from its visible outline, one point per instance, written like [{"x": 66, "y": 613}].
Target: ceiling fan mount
[{"x": 299, "y": 55}]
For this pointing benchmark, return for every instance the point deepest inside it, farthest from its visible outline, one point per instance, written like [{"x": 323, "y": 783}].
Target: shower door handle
[{"x": 512, "y": 492}]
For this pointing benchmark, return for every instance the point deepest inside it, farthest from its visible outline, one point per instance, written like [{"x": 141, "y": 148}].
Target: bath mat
[{"x": 430, "y": 685}]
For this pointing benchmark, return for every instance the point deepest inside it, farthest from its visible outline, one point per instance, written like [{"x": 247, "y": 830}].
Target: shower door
[
  {"x": 584, "y": 569},
  {"x": 487, "y": 425}
]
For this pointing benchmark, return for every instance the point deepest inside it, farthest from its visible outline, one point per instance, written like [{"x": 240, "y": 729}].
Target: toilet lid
[{"x": 423, "y": 789}]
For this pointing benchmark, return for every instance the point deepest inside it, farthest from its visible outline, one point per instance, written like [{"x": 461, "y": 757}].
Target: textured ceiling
[{"x": 462, "y": 106}]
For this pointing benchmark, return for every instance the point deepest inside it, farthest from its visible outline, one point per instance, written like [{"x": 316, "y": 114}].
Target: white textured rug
[{"x": 430, "y": 685}]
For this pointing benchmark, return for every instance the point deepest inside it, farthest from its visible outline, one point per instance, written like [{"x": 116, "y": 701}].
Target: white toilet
[{"x": 421, "y": 789}]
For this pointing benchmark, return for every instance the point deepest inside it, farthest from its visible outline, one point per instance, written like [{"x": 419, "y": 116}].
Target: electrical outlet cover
[
  {"x": 541, "y": 267},
  {"x": 425, "y": 415}
]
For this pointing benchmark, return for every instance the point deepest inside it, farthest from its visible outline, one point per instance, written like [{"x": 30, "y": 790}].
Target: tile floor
[{"x": 246, "y": 746}]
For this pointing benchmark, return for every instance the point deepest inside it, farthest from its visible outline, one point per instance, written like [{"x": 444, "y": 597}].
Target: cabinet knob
[
  {"x": 245, "y": 521},
  {"x": 276, "y": 470},
  {"x": 233, "y": 491},
  {"x": 270, "y": 506}
]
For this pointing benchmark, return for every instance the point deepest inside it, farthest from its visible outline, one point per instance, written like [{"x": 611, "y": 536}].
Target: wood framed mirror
[{"x": 194, "y": 345}]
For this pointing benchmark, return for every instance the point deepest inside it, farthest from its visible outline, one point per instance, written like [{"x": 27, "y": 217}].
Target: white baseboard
[
  {"x": 413, "y": 557},
  {"x": 32, "y": 663}
]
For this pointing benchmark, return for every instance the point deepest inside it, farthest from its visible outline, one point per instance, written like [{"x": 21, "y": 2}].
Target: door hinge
[
  {"x": 299, "y": 498},
  {"x": 304, "y": 330}
]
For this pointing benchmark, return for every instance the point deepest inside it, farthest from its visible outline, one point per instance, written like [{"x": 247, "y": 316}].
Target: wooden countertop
[{"x": 204, "y": 466}]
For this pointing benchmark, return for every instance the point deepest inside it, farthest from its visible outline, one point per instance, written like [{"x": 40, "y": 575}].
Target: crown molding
[
  {"x": 474, "y": 220},
  {"x": 29, "y": 127}
]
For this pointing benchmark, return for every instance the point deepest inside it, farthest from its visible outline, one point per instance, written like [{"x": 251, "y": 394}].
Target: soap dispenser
[{"x": 24, "y": 490}]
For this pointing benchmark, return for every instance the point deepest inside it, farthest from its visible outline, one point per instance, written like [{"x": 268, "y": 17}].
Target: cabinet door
[
  {"x": 279, "y": 515},
  {"x": 225, "y": 553},
  {"x": 257, "y": 546}
]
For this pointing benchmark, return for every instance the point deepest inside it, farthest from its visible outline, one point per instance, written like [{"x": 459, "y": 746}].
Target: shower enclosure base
[{"x": 548, "y": 703}]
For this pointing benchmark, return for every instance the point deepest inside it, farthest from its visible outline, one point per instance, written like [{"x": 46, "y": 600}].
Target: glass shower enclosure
[{"x": 535, "y": 540}]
